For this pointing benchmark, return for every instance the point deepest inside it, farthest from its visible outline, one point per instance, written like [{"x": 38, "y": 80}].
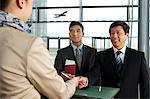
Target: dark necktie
[
  {"x": 119, "y": 62},
  {"x": 78, "y": 57}
]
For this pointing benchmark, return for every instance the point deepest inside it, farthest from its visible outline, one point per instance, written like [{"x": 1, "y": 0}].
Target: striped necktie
[{"x": 119, "y": 61}]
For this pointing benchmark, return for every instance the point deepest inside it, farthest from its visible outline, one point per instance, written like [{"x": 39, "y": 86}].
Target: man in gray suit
[{"x": 87, "y": 54}]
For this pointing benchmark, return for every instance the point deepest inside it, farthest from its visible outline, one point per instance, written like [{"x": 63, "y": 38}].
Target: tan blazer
[{"x": 26, "y": 69}]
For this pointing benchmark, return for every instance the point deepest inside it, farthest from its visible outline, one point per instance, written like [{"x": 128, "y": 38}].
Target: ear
[
  {"x": 127, "y": 34},
  {"x": 83, "y": 34},
  {"x": 20, "y": 3}
]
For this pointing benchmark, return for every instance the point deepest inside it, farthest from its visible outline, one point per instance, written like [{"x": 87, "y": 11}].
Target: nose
[
  {"x": 115, "y": 35},
  {"x": 75, "y": 33}
]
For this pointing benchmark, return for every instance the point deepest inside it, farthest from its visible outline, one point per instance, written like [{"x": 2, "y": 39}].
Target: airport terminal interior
[{"x": 51, "y": 18}]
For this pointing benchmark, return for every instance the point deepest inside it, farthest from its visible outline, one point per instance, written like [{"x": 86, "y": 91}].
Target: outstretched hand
[{"x": 83, "y": 82}]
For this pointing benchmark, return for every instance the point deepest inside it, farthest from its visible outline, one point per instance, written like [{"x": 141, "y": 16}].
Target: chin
[
  {"x": 24, "y": 19},
  {"x": 116, "y": 46}
]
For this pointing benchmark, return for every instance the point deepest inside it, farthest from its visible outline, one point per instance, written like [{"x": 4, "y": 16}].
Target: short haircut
[
  {"x": 76, "y": 23},
  {"x": 120, "y": 23},
  {"x": 4, "y": 4}
]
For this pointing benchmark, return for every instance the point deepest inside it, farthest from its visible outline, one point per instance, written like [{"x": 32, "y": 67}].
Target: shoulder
[
  {"x": 19, "y": 38},
  {"x": 89, "y": 48},
  {"x": 106, "y": 51},
  {"x": 134, "y": 51},
  {"x": 65, "y": 49},
  {"x": 17, "y": 34}
]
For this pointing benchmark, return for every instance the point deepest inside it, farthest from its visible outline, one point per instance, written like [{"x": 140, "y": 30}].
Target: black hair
[
  {"x": 76, "y": 23},
  {"x": 4, "y": 4},
  {"x": 120, "y": 23}
]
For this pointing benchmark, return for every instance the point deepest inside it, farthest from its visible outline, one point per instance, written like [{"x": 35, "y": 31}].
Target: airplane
[{"x": 59, "y": 15}]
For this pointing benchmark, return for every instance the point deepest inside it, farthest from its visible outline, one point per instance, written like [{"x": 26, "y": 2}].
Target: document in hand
[{"x": 70, "y": 67}]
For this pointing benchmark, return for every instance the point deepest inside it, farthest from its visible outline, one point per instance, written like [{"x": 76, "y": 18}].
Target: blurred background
[{"x": 51, "y": 18}]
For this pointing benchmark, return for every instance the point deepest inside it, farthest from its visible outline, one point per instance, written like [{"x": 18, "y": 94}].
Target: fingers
[
  {"x": 83, "y": 82},
  {"x": 66, "y": 76}
]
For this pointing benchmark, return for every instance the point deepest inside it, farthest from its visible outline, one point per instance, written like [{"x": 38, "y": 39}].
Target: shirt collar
[
  {"x": 122, "y": 50},
  {"x": 74, "y": 46}
]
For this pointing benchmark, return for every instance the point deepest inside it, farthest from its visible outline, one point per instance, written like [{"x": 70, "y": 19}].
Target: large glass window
[
  {"x": 96, "y": 16},
  {"x": 62, "y": 3},
  {"x": 68, "y": 14},
  {"x": 108, "y": 2},
  {"x": 58, "y": 29}
]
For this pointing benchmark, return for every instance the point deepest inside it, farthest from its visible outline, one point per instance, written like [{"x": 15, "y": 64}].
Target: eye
[
  {"x": 79, "y": 31},
  {"x": 113, "y": 33},
  {"x": 119, "y": 33},
  {"x": 71, "y": 31}
]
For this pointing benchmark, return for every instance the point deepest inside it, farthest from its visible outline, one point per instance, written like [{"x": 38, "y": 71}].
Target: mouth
[{"x": 115, "y": 40}]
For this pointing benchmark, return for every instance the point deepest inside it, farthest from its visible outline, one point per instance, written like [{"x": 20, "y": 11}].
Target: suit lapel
[
  {"x": 71, "y": 53},
  {"x": 111, "y": 60},
  {"x": 83, "y": 56},
  {"x": 127, "y": 57}
]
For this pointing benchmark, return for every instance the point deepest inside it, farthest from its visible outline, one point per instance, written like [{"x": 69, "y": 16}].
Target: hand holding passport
[
  {"x": 66, "y": 76},
  {"x": 70, "y": 71}
]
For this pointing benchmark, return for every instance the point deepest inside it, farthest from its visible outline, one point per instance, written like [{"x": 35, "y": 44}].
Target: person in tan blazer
[{"x": 25, "y": 66}]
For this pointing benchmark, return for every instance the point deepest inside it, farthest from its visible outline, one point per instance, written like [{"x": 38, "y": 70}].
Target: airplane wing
[
  {"x": 64, "y": 12},
  {"x": 58, "y": 15}
]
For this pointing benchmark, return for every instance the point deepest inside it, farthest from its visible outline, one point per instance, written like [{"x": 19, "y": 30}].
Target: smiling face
[
  {"x": 118, "y": 36},
  {"x": 76, "y": 35}
]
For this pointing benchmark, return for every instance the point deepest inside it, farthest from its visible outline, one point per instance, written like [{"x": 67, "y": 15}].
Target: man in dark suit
[
  {"x": 68, "y": 53},
  {"x": 128, "y": 70}
]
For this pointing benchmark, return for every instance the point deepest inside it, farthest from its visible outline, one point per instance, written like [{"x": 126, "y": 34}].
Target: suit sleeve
[
  {"x": 144, "y": 79},
  {"x": 43, "y": 76},
  {"x": 58, "y": 62},
  {"x": 94, "y": 74}
]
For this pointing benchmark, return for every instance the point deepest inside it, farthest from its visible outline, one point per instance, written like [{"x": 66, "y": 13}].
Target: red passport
[{"x": 70, "y": 67}]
